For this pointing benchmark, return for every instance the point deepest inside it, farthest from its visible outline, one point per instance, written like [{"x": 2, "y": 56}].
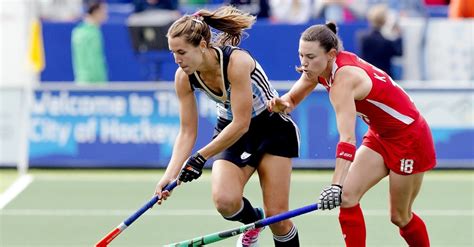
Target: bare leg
[
  {"x": 403, "y": 191},
  {"x": 228, "y": 181},
  {"x": 275, "y": 175},
  {"x": 367, "y": 170}
]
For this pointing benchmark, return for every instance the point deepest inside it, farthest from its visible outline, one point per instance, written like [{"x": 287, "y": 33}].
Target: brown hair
[
  {"x": 326, "y": 35},
  {"x": 229, "y": 20}
]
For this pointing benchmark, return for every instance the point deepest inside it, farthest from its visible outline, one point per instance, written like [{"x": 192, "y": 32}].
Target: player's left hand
[{"x": 330, "y": 197}]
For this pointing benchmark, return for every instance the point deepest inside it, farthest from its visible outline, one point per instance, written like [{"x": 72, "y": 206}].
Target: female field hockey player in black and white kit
[{"x": 247, "y": 136}]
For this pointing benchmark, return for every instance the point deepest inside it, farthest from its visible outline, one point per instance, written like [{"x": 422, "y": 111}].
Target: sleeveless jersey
[
  {"x": 262, "y": 90},
  {"x": 387, "y": 107}
]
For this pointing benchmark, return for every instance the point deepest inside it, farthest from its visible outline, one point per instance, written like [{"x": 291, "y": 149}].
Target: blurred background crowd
[
  {"x": 279, "y": 11},
  {"x": 93, "y": 41}
]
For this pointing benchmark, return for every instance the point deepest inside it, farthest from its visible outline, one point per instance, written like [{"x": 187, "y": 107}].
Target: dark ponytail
[{"x": 332, "y": 26}]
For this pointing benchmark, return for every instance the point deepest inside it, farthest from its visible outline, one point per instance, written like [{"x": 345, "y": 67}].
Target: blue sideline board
[{"x": 135, "y": 126}]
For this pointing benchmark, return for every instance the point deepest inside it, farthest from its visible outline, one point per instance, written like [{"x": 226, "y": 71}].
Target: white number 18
[{"x": 406, "y": 165}]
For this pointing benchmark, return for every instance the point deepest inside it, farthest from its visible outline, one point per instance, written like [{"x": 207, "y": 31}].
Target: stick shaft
[
  {"x": 286, "y": 215},
  {"x": 149, "y": 204},
  {"x": 120, "y": 228},
  {"x": 218, "y": 236}
]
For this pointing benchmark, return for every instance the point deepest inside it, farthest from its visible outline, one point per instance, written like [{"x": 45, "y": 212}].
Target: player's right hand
[
  {"x": 192, "y": 168},
  {"x": 278, "y": 105},
  {"x": 163, "y": 195}
]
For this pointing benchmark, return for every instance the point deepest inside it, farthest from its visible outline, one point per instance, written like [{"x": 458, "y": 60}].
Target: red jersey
[{"x": 387, "y": 107}]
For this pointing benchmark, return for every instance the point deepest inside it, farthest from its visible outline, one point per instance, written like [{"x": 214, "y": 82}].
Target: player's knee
[
  {"x": 399, "y": 219},
  {"x": 226, "y": 204},
  {"x": 349, "y": 198},
  {"x": 281, "y": 228},
  {"x": 274, "y": 210}
]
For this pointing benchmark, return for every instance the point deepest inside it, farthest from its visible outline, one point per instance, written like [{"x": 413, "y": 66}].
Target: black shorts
[{"x": 271, "y": 133}]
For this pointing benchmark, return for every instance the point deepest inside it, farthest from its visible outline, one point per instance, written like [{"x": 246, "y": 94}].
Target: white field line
[
  {"x": 15, "y": 189},
  {"x": 201, "y": 212},
  {"x": 155, "y": 176},
  {"x": 207, "y": 178}
]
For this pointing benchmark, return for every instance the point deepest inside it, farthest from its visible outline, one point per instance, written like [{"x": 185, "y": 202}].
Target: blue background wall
[{"x": 274, "y": 46}]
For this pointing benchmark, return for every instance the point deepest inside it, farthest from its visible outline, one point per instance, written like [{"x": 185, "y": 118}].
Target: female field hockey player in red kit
[
  {"x": 244, "y": 139},
  {"x": 398, "y": 143}
]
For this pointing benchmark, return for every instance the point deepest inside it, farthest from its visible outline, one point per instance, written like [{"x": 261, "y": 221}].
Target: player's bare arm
[
  {"x": 342, "y": 100},
  {"x": 187, "y": 134},
  {"x": 299, "y": 91},
  {"x": 341, "y": 96},
  {"x": 239, "y": 69}
]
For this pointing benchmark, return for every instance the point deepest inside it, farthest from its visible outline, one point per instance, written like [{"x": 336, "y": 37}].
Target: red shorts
[{"x": 409, "y": 151}]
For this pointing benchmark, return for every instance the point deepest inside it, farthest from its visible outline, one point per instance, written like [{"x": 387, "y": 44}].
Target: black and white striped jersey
[{"x": 262, "y": 90}]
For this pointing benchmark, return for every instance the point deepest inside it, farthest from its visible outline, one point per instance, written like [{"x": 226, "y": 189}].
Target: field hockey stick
[
  {"x": 218, "y": 236},
  {"x": 120, "y": 228}
]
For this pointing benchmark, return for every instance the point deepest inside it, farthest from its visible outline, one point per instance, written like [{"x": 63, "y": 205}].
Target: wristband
[
  {"x": 345, "y": 151},
  {"x": 337, "y": 185},
  {"x": 199, "y": 158}
]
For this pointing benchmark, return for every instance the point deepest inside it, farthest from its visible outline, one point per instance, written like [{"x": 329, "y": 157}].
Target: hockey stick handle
[
  {"x": 149, "y": 204},
  {"x": 218, "y": 236},
  {"x": 120, "y": 228},
  {"x": 287, "y": 215}
]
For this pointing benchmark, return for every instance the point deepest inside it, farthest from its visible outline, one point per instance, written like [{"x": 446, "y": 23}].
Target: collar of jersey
[{"x": 223, "y": 97}]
